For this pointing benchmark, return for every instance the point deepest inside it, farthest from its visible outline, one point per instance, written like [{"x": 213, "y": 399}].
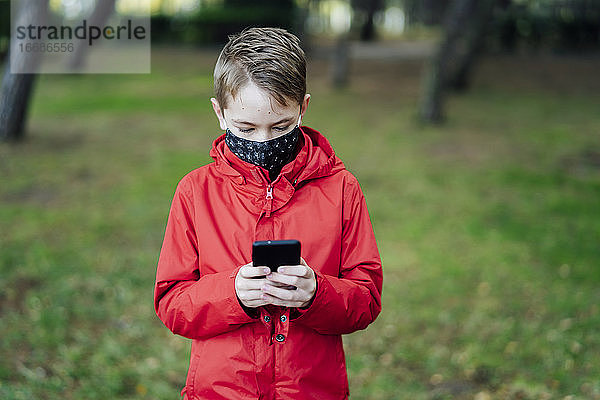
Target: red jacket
[{"x": 274, "y": 352}]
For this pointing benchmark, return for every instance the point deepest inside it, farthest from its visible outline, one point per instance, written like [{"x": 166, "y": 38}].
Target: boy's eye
[
  {"x": 280, "y": 128},
  {"x": 248, "y": 130}
]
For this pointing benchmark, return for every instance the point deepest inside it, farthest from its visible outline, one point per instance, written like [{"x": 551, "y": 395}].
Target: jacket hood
[{"x": 315, "y": 159}]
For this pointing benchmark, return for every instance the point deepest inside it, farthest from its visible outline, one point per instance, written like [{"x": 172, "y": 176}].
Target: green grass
[{"x": 489, "y": 229}]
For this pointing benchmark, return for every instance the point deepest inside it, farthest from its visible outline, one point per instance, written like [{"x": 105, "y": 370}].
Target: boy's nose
[{"x": 264, "y": 135}]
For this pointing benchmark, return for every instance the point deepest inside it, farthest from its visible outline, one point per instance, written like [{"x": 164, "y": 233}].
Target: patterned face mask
[{"x": 272, "y": 154}]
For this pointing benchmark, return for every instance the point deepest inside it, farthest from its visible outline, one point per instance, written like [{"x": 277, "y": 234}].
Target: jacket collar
[{"x": 315, "y": 159}]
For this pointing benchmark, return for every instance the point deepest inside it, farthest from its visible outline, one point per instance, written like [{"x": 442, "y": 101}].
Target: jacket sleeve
[
  {"x": 352, "y": 300},
  {"x": 189, "y": 304}
]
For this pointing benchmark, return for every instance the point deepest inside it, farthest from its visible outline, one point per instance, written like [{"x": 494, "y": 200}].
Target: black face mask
[{"x": 272, "y": 154}]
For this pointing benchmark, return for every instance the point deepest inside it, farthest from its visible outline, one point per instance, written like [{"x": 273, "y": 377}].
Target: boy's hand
[
  {"x": 300, "y": 276},
  {"x": 248, "y": 287}
]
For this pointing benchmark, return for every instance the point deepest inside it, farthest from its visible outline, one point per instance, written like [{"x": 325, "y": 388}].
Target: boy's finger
[
  {"x": 249, "y": 294},
  {"x": 283, "y": 294},
  {"x": 296, "y": 270},
  {"x": 282, "y": 279},
  {"x": 284, "y": 303},
  {"x": 267, "y": 298},
  {"x": 260, "y": 301},
  {"x": 248, "y": 271},
  {"x": 276, "y": 284},
  {"x": 250, "y": 284}
]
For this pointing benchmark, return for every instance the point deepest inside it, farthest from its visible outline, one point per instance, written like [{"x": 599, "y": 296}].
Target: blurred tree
[
  {"x": 364, "y": 11},
  {"x": 428, "y": 12},
  {"x": 213, "y": 24},
  {"x": 564, "y": 25},
  {"x": 469, "y": 24},
  {"x": 471, "y": 43},
  {"x": 4, "y": 27},
  {"x": 340, "y": 62},
  {"x": 464, "y": 30},
  {"x": 16, "y": 90},
  {"x": 103, "y": 10}
]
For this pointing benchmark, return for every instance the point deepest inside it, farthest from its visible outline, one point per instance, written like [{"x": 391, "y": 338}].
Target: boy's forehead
[{"x": 252, "y": 100}]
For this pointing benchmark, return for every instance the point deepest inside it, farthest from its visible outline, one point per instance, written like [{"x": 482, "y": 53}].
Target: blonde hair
[{"x": 271, "y": 58}]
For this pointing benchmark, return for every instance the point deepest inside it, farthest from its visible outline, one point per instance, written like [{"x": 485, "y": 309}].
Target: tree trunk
[
  {"x": 464, "y": 27},
  {"x": 102, "y": 12},
  {"x": 367, "y": 31},
  {"x": 340, "y": 62},
  {"x": 14, "y": 104},
  {"x": 473, "y": 40},
  {"x": 17, "y": 87}
]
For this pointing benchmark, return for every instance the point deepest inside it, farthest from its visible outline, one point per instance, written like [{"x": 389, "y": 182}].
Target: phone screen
[{"x": 274, "y": 253}]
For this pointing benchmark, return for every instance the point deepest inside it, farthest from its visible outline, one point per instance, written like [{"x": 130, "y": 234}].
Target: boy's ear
[
  {"x": 219, "y": 113},
  {"x": 304, "y": 105}
]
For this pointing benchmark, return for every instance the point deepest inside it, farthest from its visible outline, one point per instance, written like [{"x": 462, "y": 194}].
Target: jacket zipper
[
  {"x": 269, "y": 198},
  {"x": 269, "y": 194}
]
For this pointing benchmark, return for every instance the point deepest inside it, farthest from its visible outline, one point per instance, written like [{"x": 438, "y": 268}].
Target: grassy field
[{"x": 489, "y": 229}]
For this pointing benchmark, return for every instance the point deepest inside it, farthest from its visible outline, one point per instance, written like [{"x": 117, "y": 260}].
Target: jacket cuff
[{"x": 251, "y": 312}]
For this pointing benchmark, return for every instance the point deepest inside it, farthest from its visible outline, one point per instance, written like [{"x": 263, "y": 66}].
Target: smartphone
[{"x": 274, "y": 253}]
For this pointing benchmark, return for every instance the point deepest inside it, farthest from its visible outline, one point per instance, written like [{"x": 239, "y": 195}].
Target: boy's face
[{"x": 254, "y": 115}]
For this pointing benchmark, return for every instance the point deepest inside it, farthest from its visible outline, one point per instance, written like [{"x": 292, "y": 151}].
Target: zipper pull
[{"x": 269, "y": 198}]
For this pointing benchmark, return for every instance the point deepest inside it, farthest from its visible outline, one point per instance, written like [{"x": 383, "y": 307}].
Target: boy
[{"x": 254, "y": 335}]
